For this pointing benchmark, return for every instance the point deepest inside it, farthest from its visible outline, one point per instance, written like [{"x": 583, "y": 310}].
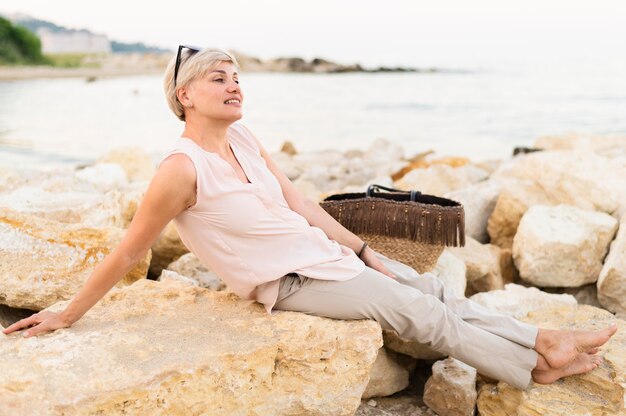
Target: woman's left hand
[{"x": 369, "y": 258}]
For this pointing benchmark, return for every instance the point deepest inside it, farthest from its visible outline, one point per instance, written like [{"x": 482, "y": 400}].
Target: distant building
[{"x": 73, "y": 41}]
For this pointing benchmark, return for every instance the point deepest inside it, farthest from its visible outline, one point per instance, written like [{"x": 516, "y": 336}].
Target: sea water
[{"x": 480, "y": 112}]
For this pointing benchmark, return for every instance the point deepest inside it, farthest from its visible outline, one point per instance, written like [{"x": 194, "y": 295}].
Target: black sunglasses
[{"x": 178, "y": 55}]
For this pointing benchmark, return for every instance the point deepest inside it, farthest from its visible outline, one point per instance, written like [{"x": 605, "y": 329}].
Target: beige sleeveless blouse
[{"x": 246, "y": 232}]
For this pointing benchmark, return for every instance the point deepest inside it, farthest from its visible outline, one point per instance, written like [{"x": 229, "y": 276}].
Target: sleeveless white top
[{"x": 246, "y": 232}]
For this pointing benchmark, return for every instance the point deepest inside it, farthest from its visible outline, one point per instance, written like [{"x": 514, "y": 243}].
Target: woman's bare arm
[{"x": 172, "y": 189}]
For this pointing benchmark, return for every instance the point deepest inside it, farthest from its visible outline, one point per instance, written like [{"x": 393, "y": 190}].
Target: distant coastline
[{"x": 92, "y": 67}]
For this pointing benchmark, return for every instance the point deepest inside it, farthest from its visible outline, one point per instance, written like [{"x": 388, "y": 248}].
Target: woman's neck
[{"x": 213, "y": 137}]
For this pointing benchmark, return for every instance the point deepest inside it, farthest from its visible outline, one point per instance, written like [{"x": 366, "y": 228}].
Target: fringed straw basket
[{"x": 406, "y": 226}]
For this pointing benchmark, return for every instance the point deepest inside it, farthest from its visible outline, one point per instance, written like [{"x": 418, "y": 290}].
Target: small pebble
[{"x": 372, "y": 403}]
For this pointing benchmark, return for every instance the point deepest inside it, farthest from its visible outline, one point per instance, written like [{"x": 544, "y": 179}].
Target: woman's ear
[{"x": 184, "y": 98}]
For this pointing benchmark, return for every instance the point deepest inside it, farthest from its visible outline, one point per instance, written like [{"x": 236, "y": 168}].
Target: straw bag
[{"x": 406, "y": 226}]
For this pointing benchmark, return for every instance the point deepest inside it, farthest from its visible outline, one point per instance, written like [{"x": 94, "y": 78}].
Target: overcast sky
[{"x": 391, "y": 32}]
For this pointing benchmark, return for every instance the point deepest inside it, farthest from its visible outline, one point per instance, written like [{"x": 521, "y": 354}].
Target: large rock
[
  {"x": 511, "y": 205},
  {"x": 159, "y": 348},
  {"x": 44, "y": 261},
  {"x": 478, "y": 201},
  {"x": 190, "y": 266},
  {"x": 576, "y": 178},
  {"x": 114, "y": 208},
  {"x": 287, "y": 164},
  {"x": 599, "y": 392},
  {"x": 451, "y": 270},
  {"x": 137, "y": 164},
  {"x": 484, "y": 264},
  {"x": 451, "y": 390},
  {"x": 517, "y": 301},
  {"x": 608, "y": 146},
  {"x": 612, "y": 280},
  {"x": 562, "y": 245},
  {"x": 330, "y": 171},
  {"x": 441, "y": 179},
  {"x": 388, "y": 375}
]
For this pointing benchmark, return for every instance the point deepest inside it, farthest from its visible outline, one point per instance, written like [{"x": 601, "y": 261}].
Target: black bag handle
[{"x": 376, "y": 188}]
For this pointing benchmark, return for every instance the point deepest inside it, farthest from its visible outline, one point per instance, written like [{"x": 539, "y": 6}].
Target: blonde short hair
[{"x": 192, "y": 66}]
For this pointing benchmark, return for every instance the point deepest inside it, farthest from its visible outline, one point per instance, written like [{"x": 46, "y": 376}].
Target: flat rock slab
[
  {"x": 169, "y": 348},
  {"x": 44, "y": 261},
  {"x": 599, "y": 392}
]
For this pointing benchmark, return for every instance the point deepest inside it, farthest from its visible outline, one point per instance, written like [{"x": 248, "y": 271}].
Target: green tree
[{"x": 18, "y": 45}]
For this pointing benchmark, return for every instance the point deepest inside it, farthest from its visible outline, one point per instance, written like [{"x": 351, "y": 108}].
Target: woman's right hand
[{"x": 43, "y": 321}]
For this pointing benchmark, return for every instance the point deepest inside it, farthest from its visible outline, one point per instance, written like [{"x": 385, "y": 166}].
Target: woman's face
[{"x": 217, "y": 95}]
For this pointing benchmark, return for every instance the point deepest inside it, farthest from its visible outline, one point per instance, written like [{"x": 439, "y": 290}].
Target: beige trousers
[{"x": 418, "y": 307}]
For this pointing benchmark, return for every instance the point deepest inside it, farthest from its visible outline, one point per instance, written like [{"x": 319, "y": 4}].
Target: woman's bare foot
[
  {"x": 581, "y": 364},
  {"x": 560, "y": 348}
]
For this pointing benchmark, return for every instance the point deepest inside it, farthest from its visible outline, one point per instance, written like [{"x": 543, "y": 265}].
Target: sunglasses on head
[{"x": 178, "y": 58}]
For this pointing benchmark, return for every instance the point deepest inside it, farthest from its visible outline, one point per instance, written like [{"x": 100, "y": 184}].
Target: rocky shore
[
  {"x": 546, "y": 244},
  {"x": 127, "y": 64}
]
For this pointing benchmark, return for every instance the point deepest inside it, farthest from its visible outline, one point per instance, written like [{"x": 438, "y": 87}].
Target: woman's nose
[{"x": 234, "y": 86}]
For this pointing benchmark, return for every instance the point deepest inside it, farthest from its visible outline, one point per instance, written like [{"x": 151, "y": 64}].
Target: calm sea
[{"x": 480, "y": 112}]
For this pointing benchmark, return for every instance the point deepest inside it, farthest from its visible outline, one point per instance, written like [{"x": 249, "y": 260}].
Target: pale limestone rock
[
  {"x": 308, "y": 189},
  {"x": 169, "y": 276},
  {"x": 582, "y": 179},
  {"x": 134, "y": 160},
  {"x": 387, "y": 377},
  {"x": 577, "y": 178},
  {"x": 608, "y": 146},
  {"x": 513, "y": 201},
  {"x": 167, "y": 248},
  {"x": 451, "y": 390},
  {"x": 100, "y": 178},
  {"x": 562, "y": 245},
  {"x": 478, "y": 201},
  {"x": 114, "y": 208},
  {"x": 10, "y": 178},
  {"x": 385, "y": 157},
  {"x": 130, "y": 198},
  {"x": 287, "y": 165},
  {"x": 44, "y": 261},
  {"x": 331, "y": 170},
  {"x": 484, "y": 266},
  {"x": 331, "y": 177},
  {"x": 517, "y": 301},
  {"x": 289, "y": 148},
  {"x": 599, "y": 392},
  {"x": 451, "y": 271},
  {"x": 167, "y": 348},
  {"x": 395, "y": 342},
  {"x": 189, "y": 266},
  {"x": 439, "y": 179},
  {"x": 612, "y": 280},
  {"x": 103, "y": 176},
  {"x": 584, "y": 295}
]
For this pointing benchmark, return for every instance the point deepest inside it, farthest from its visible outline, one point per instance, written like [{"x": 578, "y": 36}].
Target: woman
[{"x": 241, "y": 215}]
